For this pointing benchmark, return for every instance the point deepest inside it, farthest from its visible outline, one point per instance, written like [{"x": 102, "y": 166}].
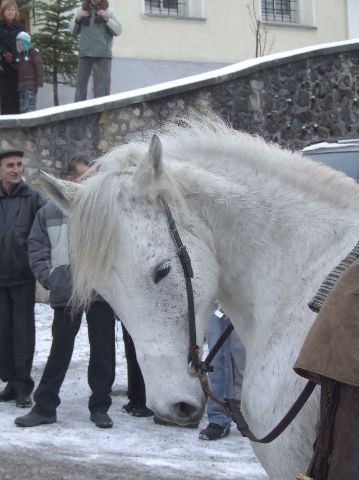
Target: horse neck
[{"x": 273, "y": 245}]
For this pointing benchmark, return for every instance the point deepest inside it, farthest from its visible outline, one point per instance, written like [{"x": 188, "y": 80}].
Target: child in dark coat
[{"x": 30, "y": 67}]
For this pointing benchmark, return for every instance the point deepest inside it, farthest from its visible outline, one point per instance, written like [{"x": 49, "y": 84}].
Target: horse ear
[
  {"x": 150, "y": 169},
  {"x": 155, "y": 156},
  {"x": 61, "y": 192}
]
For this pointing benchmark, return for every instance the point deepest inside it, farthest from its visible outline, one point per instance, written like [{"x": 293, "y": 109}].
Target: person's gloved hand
[{"x": 8, "y": 57}]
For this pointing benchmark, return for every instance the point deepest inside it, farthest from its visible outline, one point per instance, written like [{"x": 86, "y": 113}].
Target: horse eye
[{"x": 161, "y": 272}]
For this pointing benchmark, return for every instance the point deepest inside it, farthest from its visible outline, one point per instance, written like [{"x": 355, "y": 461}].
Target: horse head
[{"x": 121, "y": 247}]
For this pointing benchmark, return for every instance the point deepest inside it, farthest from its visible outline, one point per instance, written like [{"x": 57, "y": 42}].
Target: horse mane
[
  {"x": 199, "y": 143},
  {"x": 211, "y": 143}
]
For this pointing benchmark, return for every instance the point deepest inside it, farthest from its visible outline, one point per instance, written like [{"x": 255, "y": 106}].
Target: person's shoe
[
  {"x": 23, "y": 401},
  {"x": 160, "y": 421},
  {"x": 136, "y": 411},
  {"x": 214, "y": 432},
  {"x": 101, "y": 419},
  {"x": 8, "y": 393},
  {"x": 33, "y": 419}
]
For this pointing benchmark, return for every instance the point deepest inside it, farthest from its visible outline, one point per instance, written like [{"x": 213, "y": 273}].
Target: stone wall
[{"x": 293, "y": 99}]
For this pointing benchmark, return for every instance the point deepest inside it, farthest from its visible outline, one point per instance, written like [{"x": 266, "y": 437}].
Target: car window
[{"x": 343, "y": 156}]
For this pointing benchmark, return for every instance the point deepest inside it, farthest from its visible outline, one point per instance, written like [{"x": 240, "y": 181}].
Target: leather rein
[{"x": 199, "y": 368}]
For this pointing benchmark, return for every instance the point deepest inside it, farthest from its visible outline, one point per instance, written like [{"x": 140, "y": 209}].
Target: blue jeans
[
  {"x": 229, "y": 363},
  {"x": 27, "y": 101}
]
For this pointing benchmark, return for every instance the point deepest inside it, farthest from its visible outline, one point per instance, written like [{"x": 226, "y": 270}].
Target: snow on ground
[{"x": 135, "y": 448}]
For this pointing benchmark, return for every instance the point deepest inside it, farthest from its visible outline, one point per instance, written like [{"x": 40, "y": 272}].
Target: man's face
[{"x": 11, "y": 169}]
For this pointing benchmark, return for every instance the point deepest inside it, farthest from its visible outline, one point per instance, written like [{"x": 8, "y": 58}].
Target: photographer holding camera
[{"x": 96, "y": 24}]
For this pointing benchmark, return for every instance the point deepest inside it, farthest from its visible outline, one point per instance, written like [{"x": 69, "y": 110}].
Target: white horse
[{"x": 262, "y": 226}]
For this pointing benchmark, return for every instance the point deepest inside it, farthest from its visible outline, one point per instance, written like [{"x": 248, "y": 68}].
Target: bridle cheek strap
[{"x": 194, "y": 349}]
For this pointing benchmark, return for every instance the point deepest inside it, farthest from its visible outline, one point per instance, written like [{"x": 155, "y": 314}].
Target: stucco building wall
[{"x": 224, "y": 34}]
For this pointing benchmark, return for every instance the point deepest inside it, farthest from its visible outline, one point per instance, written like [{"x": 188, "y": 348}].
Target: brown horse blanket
[
  {"x": 331, "y": 279},
  {"x": 331, "y": 348}
]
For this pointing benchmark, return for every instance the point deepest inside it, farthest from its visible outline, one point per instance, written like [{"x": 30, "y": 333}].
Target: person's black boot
[
  {"x": 136, "y": 411},
  {"x": 8, "y": 394},
  {"x": 213, "y": 431},
  {"x": 33, "y": 419},
  {"x": 23, "y": 401},
  {"x": 101, "y": 419}
]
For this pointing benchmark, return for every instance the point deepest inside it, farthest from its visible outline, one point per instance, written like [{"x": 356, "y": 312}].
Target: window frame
[
  {"x": 281, "y": 11},
  {"x": 162, "y": 8},
  {"x": 305, "y": 15},
  {"x": 185, "y": 9}
]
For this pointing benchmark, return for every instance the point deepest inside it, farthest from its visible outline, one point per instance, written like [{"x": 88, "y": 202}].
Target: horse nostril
[{"x": 186, "y": 410}]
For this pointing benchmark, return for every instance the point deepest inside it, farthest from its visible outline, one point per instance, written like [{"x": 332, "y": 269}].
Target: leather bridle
[{"x": 200, "y": 368}]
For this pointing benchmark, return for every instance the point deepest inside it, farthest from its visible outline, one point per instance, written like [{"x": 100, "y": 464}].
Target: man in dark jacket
[
  {"x": 49, "y": 259},
  {"x": 18, "y": 206}
]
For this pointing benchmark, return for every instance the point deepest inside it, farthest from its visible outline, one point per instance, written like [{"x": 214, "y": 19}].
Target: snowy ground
[{"x": 135, "y": 448}]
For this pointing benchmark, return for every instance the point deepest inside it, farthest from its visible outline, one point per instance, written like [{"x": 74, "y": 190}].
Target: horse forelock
[{"x": 95, "y": 217}]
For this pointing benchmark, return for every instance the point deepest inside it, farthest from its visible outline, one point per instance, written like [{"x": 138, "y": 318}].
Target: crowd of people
[
  {"x": 21, "y": 65},
  {"x": 34, "y": 247}
]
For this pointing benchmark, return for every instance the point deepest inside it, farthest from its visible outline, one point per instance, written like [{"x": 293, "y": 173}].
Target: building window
[
  {"x": 166, "y": 8},
  {"x": 284, "y": 11}
]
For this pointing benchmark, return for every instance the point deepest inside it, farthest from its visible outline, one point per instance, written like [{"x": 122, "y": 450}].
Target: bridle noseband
[{"x": 199, "y": 368}]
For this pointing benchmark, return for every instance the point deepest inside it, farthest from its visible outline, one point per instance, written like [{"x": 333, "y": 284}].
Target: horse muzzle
[{"x": 182, "y": 413}]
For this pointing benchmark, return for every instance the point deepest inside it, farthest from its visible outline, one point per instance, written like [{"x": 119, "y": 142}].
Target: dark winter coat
[
  {"x": 31, "y": 71},
  {"x": 8, "y": 33},
  {"x": 331, "y": 346},
  {"x": 49, "y": 253},
  {"x": 17, "y": 213}
]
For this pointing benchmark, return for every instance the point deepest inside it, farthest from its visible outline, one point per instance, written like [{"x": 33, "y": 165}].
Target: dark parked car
[{"x": 341, "y": 155}]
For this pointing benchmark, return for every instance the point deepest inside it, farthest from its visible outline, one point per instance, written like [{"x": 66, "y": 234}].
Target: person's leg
[
  {"x": 23, "y": 305},
  {"x": 27, "y": 101},
  {"x": 32, "y": 97},
  {"x": 7, "y": 368},
  {"x": 101, "y": 332},
  {"x": 102, "y": 77},
  {"x": 64, "y": 331},
  {"x": 221, "y": 379},
  {"x": 9, "y": 95},
  {"x": 238, "y": 356},
  {"x": 136, "y": 391},
  {"x": 22, "y": 100},
  {"x": 83, "y": 74}
]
